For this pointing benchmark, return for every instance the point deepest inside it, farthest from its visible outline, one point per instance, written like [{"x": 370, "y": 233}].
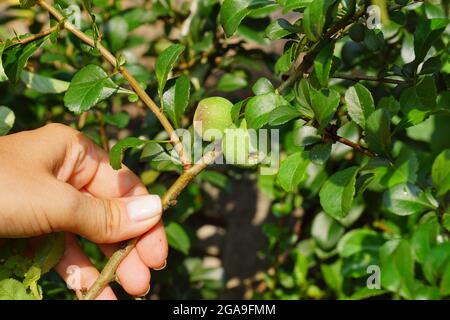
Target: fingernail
[
  {"x": 146, "y": 293},
  {"x": 162, "y": 267},
  {"x": 144, "y": 208}
]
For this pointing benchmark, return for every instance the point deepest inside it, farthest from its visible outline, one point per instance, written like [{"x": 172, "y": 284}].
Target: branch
[
  {"x": 308, "y": 59},
  {"x": 33, "y": 37},
  {"x": 336, "y": 138},
  {"x": 108, "y": 56},
  {"x": 367, "y": 78},
  {"x": 169, "y": 199}
]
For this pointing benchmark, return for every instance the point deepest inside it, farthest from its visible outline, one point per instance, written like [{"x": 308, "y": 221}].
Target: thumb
[{"x": 115, "y": 220}]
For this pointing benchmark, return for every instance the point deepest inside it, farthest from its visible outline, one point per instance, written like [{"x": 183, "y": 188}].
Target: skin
[{"x": 55, "y": 179}]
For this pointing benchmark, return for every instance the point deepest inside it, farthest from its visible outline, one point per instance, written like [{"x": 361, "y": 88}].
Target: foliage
[{"x": 362, "y": 113}]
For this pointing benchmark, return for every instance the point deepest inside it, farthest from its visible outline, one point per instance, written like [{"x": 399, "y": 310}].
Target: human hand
[{"x": 55, "y": 179}]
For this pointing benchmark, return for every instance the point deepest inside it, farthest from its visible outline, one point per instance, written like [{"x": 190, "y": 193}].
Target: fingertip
[{"x": 153, "y": 247}]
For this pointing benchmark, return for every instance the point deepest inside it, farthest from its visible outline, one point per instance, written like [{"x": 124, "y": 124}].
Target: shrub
[{"x": 359, "y": 94}]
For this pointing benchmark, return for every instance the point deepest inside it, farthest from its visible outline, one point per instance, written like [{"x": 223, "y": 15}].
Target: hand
[{"x": 55, "y": 179}]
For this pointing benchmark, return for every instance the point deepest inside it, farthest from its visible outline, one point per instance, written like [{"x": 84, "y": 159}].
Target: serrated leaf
[
  {"x": 320, "y": 153},
  {"x": 440, "y": 172},
  {"x": 11, "y": 289},
  {"x": 292, "y": 170},
  {"x": 280, "y": 28},
  {"x": 177, "y": 237},
  {"x": 257, "y": 111},
  {"x": 176, "y": 99},
  {"x": 88, "y": 87},
  {"x": 117, "y": 32},
  {"x": 426, "y": 33},
  {"x": 326, "y": 231},
  {"x": 336, "y": 194},
  {"x": 232, "y": 12},
  {"x": 425, "y": 236},
  {"x": 324, "y": 103},
  {"x": 165, "y": 63},
  {"x": 155, "y": 152},
  {"x": 116, "y": 152},
  {"x": 314, "y": 18},
  {"x": 283, "y": 114},
  {"x": 322, "y": 64},
  {"x": 360, "y": 104},
  {"x": 378, "y": 131},
  {"x": 3, "y": 76},
  {"x": 262, "y": 86},
  {"x": 120, "y": 119},
  {"x": 231, "y": 82},
  {"x": 16, "y": 58},
  {"x": 50, "y": 251},
  {"x": 406, "y": 199},
  {"x": 7, "y": 119},
  {"x": 43, "y": 84},
  {"x": 359, "y": 240}
]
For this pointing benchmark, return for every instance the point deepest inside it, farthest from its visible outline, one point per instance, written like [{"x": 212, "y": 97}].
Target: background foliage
[{"x": 363, "y": 115}]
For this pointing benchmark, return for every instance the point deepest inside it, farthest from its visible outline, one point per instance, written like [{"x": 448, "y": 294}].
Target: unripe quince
[
  {"x": 240, "y": 147},
  {"x": 212, "y": 113}
]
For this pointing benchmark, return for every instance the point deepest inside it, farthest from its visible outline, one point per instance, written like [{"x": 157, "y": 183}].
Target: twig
[
  {"x": 336, "y": 138},
  {"x": 169, "y": 199},
  {"x": 367, "y": 78},
  {"x": 108, "y": 56},
  {"x": 33, "y": 37},
  {"x": 308, "y": 59}
]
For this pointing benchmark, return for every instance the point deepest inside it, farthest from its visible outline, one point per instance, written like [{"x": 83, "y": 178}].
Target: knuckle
[{"x": 109, "y": 221}]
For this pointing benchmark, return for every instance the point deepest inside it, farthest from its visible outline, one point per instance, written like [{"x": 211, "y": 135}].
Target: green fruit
[
  {"x": 240, "y": 147},
  {"x": 356, "y": 32},
  {"x": 212, "y": 113}
]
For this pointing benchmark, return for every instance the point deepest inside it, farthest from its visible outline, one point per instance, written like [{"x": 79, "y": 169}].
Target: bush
[{"x": 358, "y": 94}]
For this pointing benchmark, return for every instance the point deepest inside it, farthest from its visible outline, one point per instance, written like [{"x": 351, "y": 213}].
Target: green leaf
[
  {"x": 324, "y": 103},
  {"x": 314, "y": 18},
  {"x": 3, "y": 76},
  {"x": 320, "y": 153},
  {"x": 165, "y": 63},
  {"x": 427, "y": 32},
  {"x": 292, "y": 170},
  {"x": 7, "y": 119},
  {"x": 177, "y": 237},
  {"x": 50, "y": 251},
  {"x": 257, "y": 111},
  {"x": 436, "y": 262},
  {"x": 360, "y": 104},
  {"x": 283, "y": 114},
  {"x": 176, "y": 99},
  {"x": 280, "y": 28},
  {"x": 378, "y": 132},
  {"x": 440, "y": 172},
  {"x": 336, "y": 194},
  {"x": 120, "y": 119},
  {"x": 406, "y": 199},
  {"x": 43, "y": 84},
  {"x": 11, "y": 289},
  {"x": 116, "y": 152},
  {"x": 322, "y": 64},
  {"x": 117, "y": 32},
  {"x": 397, "y": 265},
  {"x": 262, "y": 86},
  {"x": 16, "y": 58},
  {"x": 27, "y": 3},
  {"x": 359, "y": 240},
  {"x": 425, "y": 236},
  {"x": 446, "y": 221},
  {"x": 326, "y": 231},
  {"x": 32, "y": 276},
  {"x": 155, "y": 152},
  {"x": 303, "y": 98},
  {"x": 290, "y": 5},
  {"x": 232, "y": 12},
  {"x": 231, "y": 82},
  {"x": 88, "y": 87}
]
